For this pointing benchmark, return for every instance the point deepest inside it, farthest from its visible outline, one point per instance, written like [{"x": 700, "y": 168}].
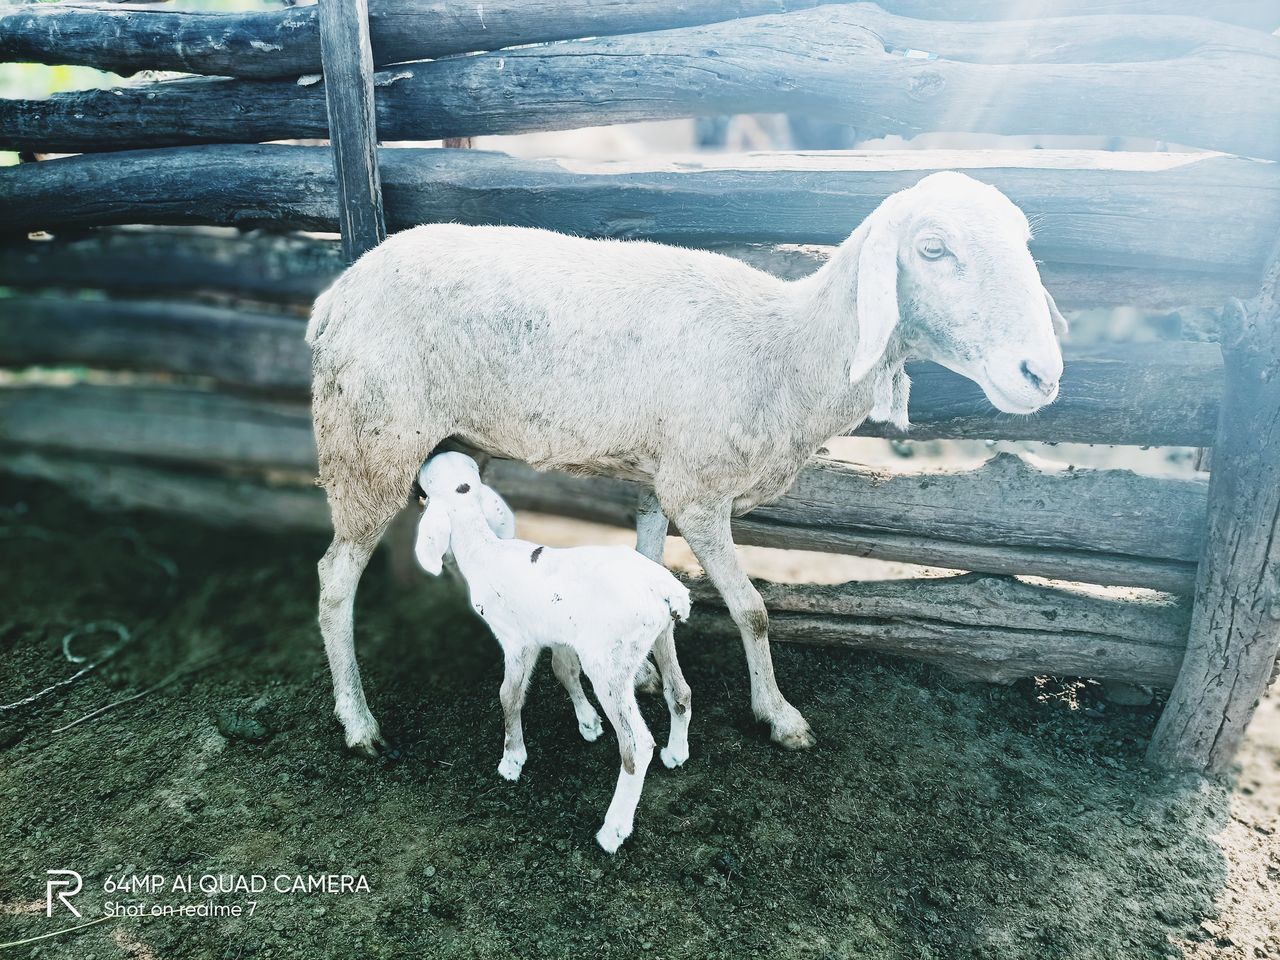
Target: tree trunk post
[
  {"x": 348, "y": 89},
  {"x": 1235, "y": 627}
]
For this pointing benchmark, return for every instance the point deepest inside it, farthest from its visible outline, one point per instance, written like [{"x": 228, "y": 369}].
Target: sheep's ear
[
  {"x": 432, "y": 544},
  {"x": 497, "y": 514},
  {"x": 893, "y": 391},
  {"x": 1059, "y": 321},
  {"x": 877, "y": 294}
]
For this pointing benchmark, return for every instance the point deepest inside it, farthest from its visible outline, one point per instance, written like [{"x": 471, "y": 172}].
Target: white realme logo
[{"x": 70, "y": 879}]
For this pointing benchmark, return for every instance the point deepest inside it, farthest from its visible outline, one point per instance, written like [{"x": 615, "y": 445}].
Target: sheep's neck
[
  {"x": 471, "y": 537},
  {"x": 825, "y": 312}
]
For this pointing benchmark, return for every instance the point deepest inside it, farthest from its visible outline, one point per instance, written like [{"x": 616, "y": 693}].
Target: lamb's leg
[
  {"x": 340, "y": 571},
  {"x": 635, "y": 744},
  {"x": 706, "y": 528},
  {"x": 678, "y": 695},
  {"x": 515, "y": 681},
  {"x": 651, "y": 537},
  {"x": 565, "y": 665}
]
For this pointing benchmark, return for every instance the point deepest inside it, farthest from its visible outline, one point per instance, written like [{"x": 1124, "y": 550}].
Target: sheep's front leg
[
  {"x": 517, "y": 670},
  {"x": 565, "y": 665},
  {"x": 706, "y": 528}
]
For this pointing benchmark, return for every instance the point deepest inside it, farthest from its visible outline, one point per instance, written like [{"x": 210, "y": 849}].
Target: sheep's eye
[{"x": 931, "y": 248}]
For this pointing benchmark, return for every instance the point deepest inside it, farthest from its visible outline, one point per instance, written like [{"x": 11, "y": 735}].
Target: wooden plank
[
  {"x": 1235, "y": 629},
  {"x": 1102, "y": 526},
  {"x": 1148, "y": 394},
  {"x": 286, "y": 43},
  {"x": 980, "y": 627},
  {"x": 294, "y": 268},
  {"x": 1092, "y": 209},
  {"x": 348, "y": 92},
  {"x": 830, "y": 62}
]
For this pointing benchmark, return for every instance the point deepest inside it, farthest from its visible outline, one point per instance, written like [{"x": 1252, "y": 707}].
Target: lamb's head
[
  {"x": 452, "y": 483},
  {"x": 945, "y": 263}
]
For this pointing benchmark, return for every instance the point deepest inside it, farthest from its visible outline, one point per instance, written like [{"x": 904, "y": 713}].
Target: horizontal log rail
[
  {"x": 285, "y": 43},
  {"x": 976, "y": 626},
  {"x": 1147, "y": 394},
  {"x": 980, "y": 627},
  {"x": 1098, "y": 526},
  {"x": 294, "y": 268},
  {"x": 1091, "y": 209},
  {"x": 834, "y": 62}
]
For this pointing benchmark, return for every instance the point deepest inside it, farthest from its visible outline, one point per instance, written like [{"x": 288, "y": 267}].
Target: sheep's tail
[
  {"x": 320, "y": 314},
  {"x": 678, "y": 602}
]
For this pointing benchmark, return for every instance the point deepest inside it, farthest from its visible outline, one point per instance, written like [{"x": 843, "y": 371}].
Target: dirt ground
[{"x": 936, "y": 819}]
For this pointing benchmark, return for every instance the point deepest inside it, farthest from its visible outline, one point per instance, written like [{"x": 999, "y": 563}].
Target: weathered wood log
[
  {"x": 353, "y": 137},
  {"x": 831, "y": 62},
  {"x": 1149, "y": 394},
  {"x": 1099, "y": 526},
  {"x": 294, "y": 268},
  {"x": 1235, "y": 628},
  {"x": 980, "y": 627},
  {"x": 1161, "y": 211},
  {"x": 285, "y": 43}
]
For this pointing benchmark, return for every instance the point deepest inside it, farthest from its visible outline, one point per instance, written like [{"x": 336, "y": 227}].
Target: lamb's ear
[
  {"x": 434, "y": 530},
  {"x": 501, "y": 520},
  {"x": 877, "y": 293},
  {"x": 1059, "y": 321},
  {"x": 893, "y": 391}
]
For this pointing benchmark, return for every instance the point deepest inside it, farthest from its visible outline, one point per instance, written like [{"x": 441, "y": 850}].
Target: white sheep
[
  {"x": 709, "y": 382},
  {"x": 605, "y": 608}
]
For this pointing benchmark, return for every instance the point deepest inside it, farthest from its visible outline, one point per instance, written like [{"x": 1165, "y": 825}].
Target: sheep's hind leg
[
  {"x": 515, "y": 682},
  {"x": 635, "y": 744},
  {"x": 707, "y": 530},
  {"x": 565, "y": 665},
  {"x": 651, "y": 537},
  {"x": 340, "y": 571},
  {"x": 678, "y": 696}
]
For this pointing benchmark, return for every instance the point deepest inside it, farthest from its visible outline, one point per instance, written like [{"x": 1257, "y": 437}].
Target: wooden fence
[{"x": 144, "y": 272}]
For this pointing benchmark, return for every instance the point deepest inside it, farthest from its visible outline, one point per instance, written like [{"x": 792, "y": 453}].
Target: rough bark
[
  {"x": 1138, "y": 394},
  {"x": 1093, "y": 209},
  {"x": 294, "y": 268},
  {"x": 980, "y": 627},
  {"x": 285, "y": 43},
  {"x": 352, "y": 132},
  {"x": 832, "y": 62},
  {"x": 1235, "y": 628},
  {"x": 1100, "y": 526}
]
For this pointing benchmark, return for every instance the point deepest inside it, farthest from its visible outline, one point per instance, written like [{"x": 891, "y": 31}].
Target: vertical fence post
[
  {"x": 1235, "y": 627},
  {"x": 347, "y": 59}
]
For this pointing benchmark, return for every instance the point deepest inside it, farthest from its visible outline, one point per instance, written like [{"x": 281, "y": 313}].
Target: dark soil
[{"x": 936, "y": 819}]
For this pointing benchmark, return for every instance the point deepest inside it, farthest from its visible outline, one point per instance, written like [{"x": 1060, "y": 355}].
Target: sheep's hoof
[
  {"x": 367, "y": 741},
  {"x": 611, "y": 838},
  {"x": 509, "y": 768},
  {"x": 591, "y": 731},
  {"x": 791, "y": 731},
  {"x": 672, "y": 759}
]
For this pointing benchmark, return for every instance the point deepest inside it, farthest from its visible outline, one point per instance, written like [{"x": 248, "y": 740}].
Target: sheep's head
[
  {"x": 448, "y": 480},
  {"x": 946, "y": 264}
]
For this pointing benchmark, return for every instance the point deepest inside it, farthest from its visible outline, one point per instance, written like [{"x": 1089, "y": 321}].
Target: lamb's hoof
[
  {"x": 591, "y": 731},
  {"x": 672, "y": 759},
  {"x": 611, "y": 838},
  {"x": 791, "y": 731},
  {"x": 509, "y": 768},
  {"x": 648, "y": 680}
]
